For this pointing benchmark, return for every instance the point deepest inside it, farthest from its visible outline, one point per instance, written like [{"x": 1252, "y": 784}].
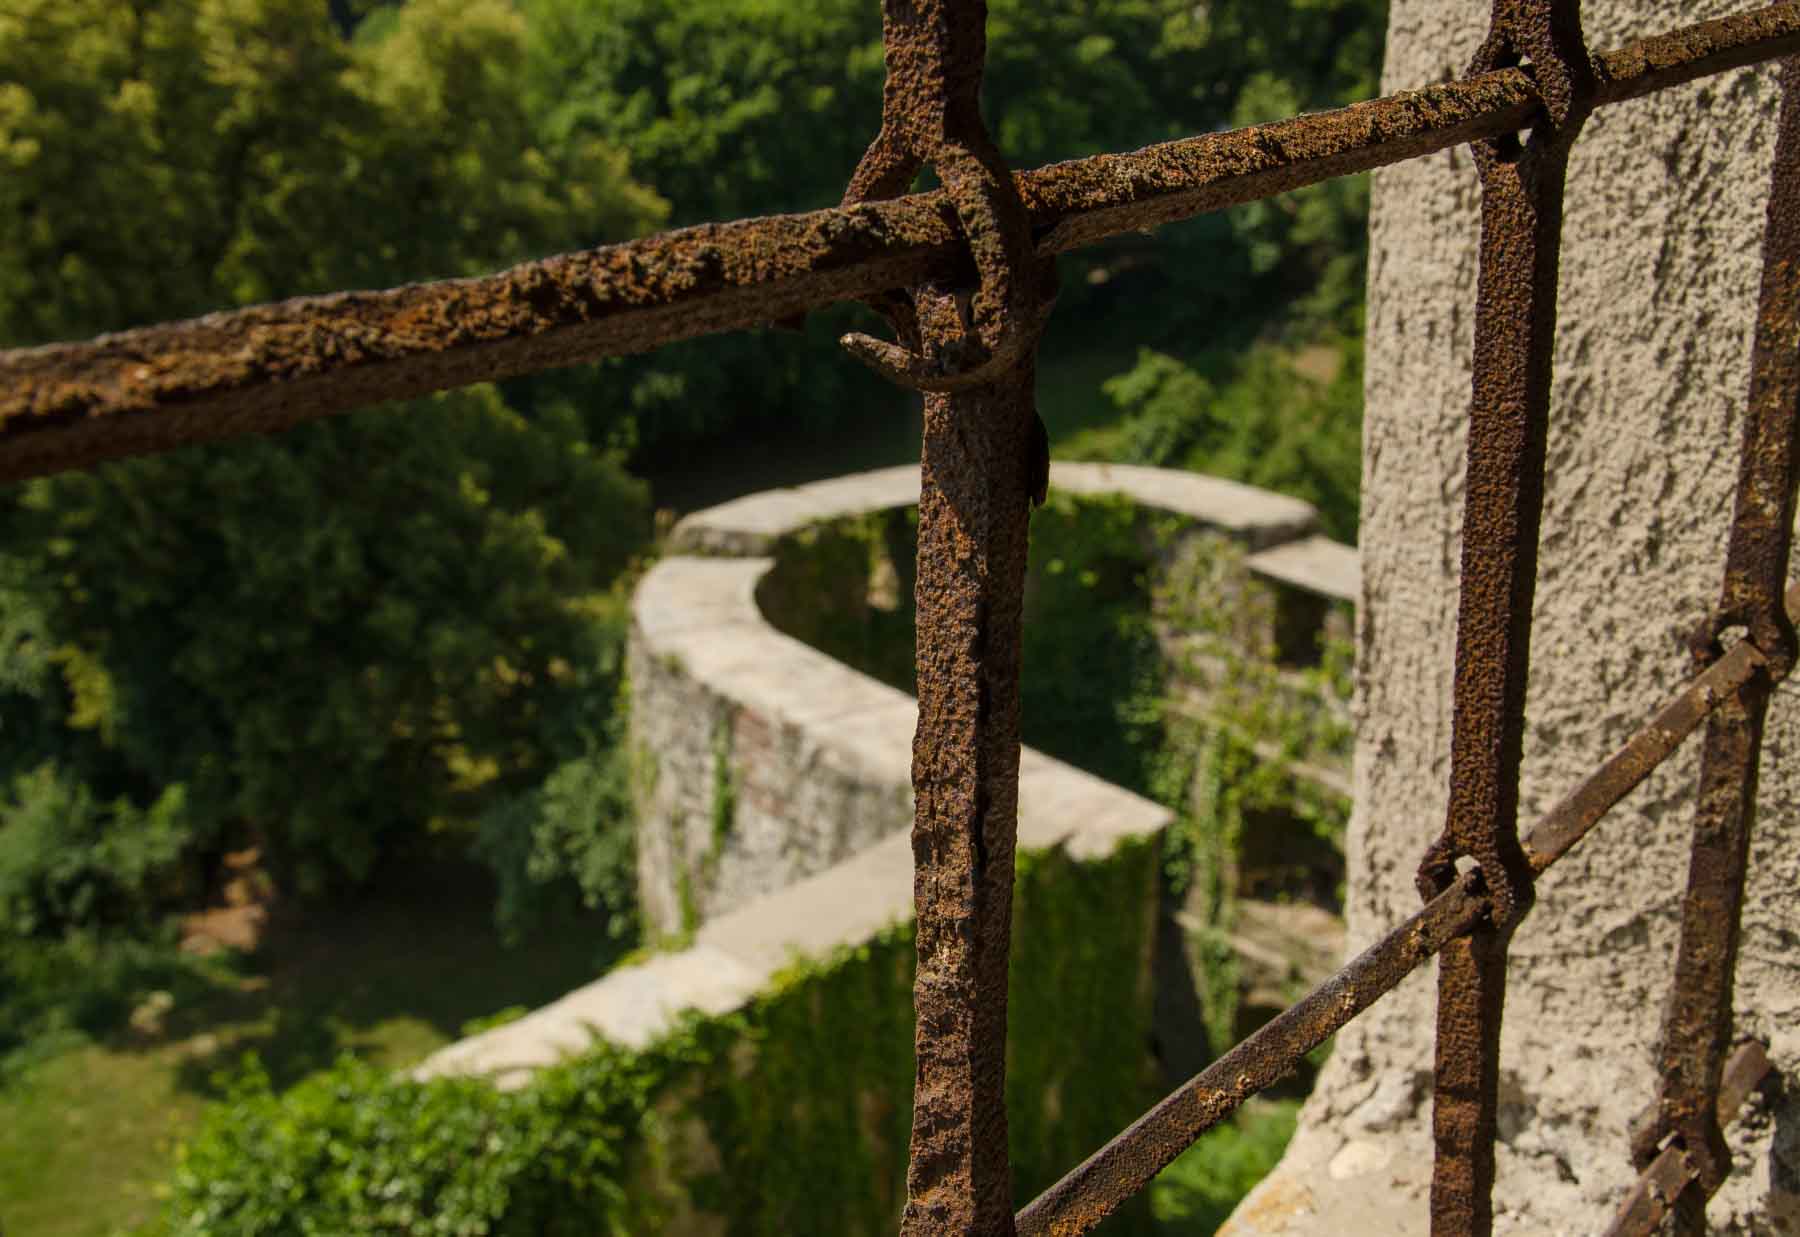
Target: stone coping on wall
[
  {"x": 1317, "y": 564},
  {"x": 1260, "y": 519},
  {"x": 738, "y": 954},
  {"x": 695, "y": 617},
  {"x": 700, "y": 615}
]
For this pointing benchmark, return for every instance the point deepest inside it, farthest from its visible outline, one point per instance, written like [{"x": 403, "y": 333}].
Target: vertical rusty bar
[
  {"x": 972, "y": 547},
  {"x": 1521, "y": 231},
  {"x": 972, "y": 351},
  {"x": 1697, "y": 1024}
]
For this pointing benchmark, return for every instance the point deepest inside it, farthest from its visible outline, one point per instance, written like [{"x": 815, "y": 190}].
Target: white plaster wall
[{"x": 1659, "y": 279}]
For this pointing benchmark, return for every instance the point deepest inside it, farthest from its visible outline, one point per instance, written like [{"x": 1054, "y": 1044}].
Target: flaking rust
[
  {"x": 970, "y": 347},
  {"x": 1522, "y": 181},
  {"x": 1697, "y": 1024},
  {"x": 269, "y": 367}
]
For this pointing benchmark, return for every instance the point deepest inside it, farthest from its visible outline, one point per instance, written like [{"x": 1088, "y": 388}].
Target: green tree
[
  {"x": 741, "y": 107},
  {"x": 326, "y": 639}
]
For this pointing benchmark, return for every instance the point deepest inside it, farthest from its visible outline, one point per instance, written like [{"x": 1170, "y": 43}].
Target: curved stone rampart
[
  {"x": 762, "y": 760},
  {"x": 778, "y": 779}
]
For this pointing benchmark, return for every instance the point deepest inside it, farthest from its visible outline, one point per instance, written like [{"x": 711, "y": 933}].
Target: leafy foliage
[
  {"x": 67, "y": 858},
  {"x": 330, "y": 638},
  {"x": 747, "y": 107},
  {"x": 1258, "y": 420},
  {"x": 787, "y": 1117}
]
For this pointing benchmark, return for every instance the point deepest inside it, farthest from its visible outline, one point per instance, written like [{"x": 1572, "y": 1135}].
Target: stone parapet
[{"x": 761, "y": 761}]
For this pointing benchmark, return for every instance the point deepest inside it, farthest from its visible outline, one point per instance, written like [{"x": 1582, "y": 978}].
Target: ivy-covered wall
[{"x": 789, "y": 1116}]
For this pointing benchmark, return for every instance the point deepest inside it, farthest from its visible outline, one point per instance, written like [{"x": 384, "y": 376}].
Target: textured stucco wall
[{"x": 1659, "y": 278}]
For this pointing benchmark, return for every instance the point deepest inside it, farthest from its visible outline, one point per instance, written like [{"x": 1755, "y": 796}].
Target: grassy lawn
[{"x": 86, "y": 1135}]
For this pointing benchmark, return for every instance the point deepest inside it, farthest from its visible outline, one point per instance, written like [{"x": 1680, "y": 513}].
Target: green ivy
[{"x": 790, "y": 1116}]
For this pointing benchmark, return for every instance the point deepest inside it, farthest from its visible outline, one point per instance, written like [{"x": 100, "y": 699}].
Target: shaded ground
[{"x": 86, "y": 1135}]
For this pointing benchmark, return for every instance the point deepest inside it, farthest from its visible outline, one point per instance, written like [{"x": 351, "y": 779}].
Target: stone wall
[
  {"x": 760, "y": 760},
  {"x": 1658, "y": 290}
]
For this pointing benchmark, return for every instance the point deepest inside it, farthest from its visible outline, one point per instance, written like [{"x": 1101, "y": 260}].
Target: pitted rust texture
[
  {"x": 1106, "y": 1179},
  {"x": 971, "y": 580},
  {"x": 931, "y": 114},
  {"x": 1087, "y": 200},
  {"x": 1697, "y": 1024},
  {"x": 1661, "y": 61},
  {"x": 1509, "y": 416},
  {"x": 1663, "y": 1185},
  {"x": 1762, "y": 521},
  {"x": 972, "y": 350},
  {"x": 267, "y": 368}
]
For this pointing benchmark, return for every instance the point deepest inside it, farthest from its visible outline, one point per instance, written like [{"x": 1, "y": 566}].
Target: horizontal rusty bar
[
  {"x": 1100, "y": 1184},
  {"x": 269, "y": 367},
  {"x": 1672, "y": 1172}
]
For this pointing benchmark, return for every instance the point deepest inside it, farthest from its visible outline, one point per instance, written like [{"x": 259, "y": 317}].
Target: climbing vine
[{"x": 789, "y": 1116}]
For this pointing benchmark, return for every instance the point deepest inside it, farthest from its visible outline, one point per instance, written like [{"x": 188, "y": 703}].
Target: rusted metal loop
[
  {"x": 1667, "y": 1180},
  {"x": 1545, "y": 38},
  {"x": 1767, "y": 627},
  {"x": 950, "y": 338},
  {"x": 1697, "y": 1023}
]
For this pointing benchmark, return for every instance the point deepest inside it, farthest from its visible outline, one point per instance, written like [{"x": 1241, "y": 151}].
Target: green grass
[
  {"x": 86, "y": 1135},
  {"x": 1197, "y": 1193}
]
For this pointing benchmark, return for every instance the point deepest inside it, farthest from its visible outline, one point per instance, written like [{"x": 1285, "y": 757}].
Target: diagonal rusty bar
[
  {"x": 1670, "y": 1175},
  {"x": 1515, "y": 328},
  {"x": 1101, "y": 1183},
  {"x": 972, "y": 350},
  {"x": 1697, "y": 1025},
  {"x": 269, "y": 367}
]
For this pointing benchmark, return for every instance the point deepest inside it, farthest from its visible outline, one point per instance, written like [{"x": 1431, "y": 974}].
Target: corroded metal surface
[
  {"x": 1668, "y": 1179},
  {"x": 267, "y": 368},
  {"x": 1697, "y": 1024},
  {"x": 1095, "y": 1189},
  {"x": 963, "y": 276},
  {"x": 1509, "y": 416},
  {"x": 971, "y": 347}
]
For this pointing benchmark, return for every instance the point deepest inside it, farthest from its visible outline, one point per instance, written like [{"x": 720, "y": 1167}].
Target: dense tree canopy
[
  {"x": 355, "y": 627},
  {"x": 360, "y": 626}
]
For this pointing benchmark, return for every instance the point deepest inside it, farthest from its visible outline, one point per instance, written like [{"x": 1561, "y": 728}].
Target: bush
[
  {"x": 1202, "y": 1188},
  {"x": 67, "y": 858},
  {"x": 61, "y": 992}
]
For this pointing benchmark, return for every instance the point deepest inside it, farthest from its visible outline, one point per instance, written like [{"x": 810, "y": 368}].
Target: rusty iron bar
[
  {"x": 1697, "y": 1023},
  {"x": 971, "y": 348},
  {"x": 269, "y": 367},
  {"x": 1509, "y": 420},
  {"x": 1106, "y": 1179},
  {"x": 1655, "y": 1194}
]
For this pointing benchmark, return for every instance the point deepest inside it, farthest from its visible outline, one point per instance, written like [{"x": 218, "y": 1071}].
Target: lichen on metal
[{"x": 964, "y": 277}]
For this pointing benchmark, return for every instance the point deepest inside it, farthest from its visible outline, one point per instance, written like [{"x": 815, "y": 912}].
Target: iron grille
[{"x": 964, "y": 276}]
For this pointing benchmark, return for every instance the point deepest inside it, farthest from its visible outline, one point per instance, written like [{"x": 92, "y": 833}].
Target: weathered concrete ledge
[
  {"x": 774, "y": 782},
  {"x": 1258, "y": 518},
  {"x": 763, "y": 760},
  {"x": 737, "y": 955}
]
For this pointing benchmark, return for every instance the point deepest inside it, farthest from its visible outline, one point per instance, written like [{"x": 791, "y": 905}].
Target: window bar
[
  {"x": 1515, "y": 327},
  {"x": 1697, "y": 1026},
  {"x": 266, "y": 368},
  {"x": 1671, "y": 1174},
  {"x": 971, "y": 351},
  {"x": 1097, "y": 1187}
]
